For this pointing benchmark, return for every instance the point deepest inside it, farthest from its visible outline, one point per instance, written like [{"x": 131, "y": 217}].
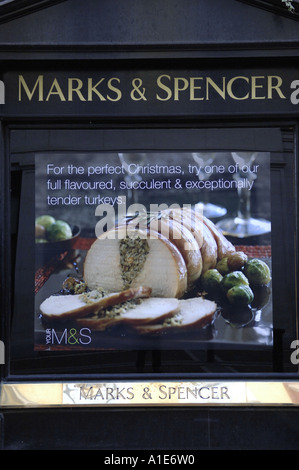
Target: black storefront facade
[{"x": 160, "y": 104}]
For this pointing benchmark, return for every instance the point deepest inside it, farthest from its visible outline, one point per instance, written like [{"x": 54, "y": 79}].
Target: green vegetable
[
  {"x": 240, "y": 295},
  {"x": 58, "y": 231},
  {"x": 233, "y": 279},
  {"x": 262, "y": 296},
  {"x": 211, "y": 280},
  {"x": 257, "y": 272},
  {"x": 45, "y": 221},
  {"x": 222, "y": 266}
]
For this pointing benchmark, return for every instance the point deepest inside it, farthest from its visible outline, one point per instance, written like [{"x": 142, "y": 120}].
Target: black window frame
[{"x": 31, "y": 368}]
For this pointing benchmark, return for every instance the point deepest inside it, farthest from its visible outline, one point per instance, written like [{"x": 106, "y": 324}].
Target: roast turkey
[
  {"x": 168, "y": 256},
  {"x": 181, "y": 244},
  {"x": 120, "y": 259},
  {"x": 180, "y": 236}
]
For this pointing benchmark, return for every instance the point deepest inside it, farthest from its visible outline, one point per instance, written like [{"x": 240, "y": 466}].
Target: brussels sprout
[
  {"x": 257, "y": 272},
  {"x": 211, "y": 280},
  {"x": 58, "y": 231},
  {"x": 236, "y": 261},
  {"x": 222, "y": 266},
  {"x": 235, "y": 278},
  {"x": 45, "y": 221},
  {"x": 40, "y": 231},
  {"x": 240, "y": 295},
  {"x": 262, "y": 295}
]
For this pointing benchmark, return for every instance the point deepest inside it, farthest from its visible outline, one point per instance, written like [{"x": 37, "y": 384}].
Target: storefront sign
[
  {"x": 165, "y": 87},
  {"x": 151, "y": 92},
  {"x": 150, "y": 394}
]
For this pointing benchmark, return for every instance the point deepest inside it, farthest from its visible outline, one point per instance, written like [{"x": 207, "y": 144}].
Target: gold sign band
[{"x": 137, "y": 393}]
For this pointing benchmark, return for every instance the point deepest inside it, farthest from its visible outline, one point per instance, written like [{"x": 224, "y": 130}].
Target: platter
[{"x": 250, "y": 327}]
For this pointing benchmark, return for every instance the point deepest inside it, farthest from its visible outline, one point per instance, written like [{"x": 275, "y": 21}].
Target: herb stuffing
[
  {"x": 116, "y": 310},
  {"x": 175, "y": 320},
  {"x": 133, "y": 253},
  {"x": 93, "y": 295}
]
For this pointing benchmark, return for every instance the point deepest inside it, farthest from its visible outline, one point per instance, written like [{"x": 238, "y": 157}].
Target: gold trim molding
[{"x": 159, "y": 393}]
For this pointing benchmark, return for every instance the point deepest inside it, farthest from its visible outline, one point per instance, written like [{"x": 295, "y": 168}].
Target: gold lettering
[
  {"x": 220, "y": 91},
  {"x": 192, "y": 391},
  {"x": 276, "y": 87},
  {"x": 193, "y": 87},
  {"x": 113, "y": 88},
  {"x": 224, "y": 393},
  {"x": 200, "y": 393},
  {"x": 254, "y": 86},
  {"x": 55, "y": 90},
  {"x": 215, "y": 391},
  {"x": 99, "y": 394},
  {"x": 163, "y": 87},
  {"x": 162, "y": 390},
  {"x": 86, "y": 392},
  {"x": 93, "y": 89},
  {"x": 177, "y": 87},
  {"x": 39, "y": 83},
  {"x": 230, "y": 86},
  {"x": 75, "y": 89}
]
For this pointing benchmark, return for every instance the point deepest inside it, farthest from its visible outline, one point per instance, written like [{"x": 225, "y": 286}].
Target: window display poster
[{"x": 152, "y": 250}]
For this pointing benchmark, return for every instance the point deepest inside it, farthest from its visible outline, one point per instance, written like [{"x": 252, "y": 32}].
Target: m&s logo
[{"x": 71, "y": 337}]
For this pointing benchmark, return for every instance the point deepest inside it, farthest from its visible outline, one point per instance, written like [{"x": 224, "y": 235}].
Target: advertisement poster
[{"x": 152, "y": 250}]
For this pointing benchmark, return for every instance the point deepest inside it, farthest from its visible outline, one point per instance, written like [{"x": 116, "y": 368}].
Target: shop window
[{"x": 89, "y": 190}]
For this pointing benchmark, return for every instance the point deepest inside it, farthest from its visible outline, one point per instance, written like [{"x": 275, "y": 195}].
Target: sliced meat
[
  {"x": 209, "y": 250},
  {"x": 64, "y": 307},
  {"x": 185, "y": 218},
  {"x": 224, "y": 246},
  {"x": 196, "y": 312},
  {"x": 186, "y": 243},
  {"x": 182, "y": 239},
  {"x": 162, "y": 268},
  {"x": 148, "y": 311}
]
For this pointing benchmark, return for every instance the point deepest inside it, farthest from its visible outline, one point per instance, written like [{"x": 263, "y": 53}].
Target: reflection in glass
[
  {"x": 204, "y": 159},
  {"x": 244, "y": 225}
]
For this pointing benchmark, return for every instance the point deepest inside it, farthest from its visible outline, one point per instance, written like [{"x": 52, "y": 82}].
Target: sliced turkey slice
[
  {"x": 163, "y": 268},
  {"x": 224, "y": 246},
  {"x": 193, "y": 313},
  {"x": 70, "y": 306},
  {"x": 186, "y": 243},
  {"x": 181, "y": 237},
  {"x": 148, "y": 311},
  {"x": 185, "y": 218},
  {"x": 202, "y": 234}
]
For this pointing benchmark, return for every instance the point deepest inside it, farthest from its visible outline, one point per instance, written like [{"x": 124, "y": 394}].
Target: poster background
[{"x": 253, "y": 332}]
